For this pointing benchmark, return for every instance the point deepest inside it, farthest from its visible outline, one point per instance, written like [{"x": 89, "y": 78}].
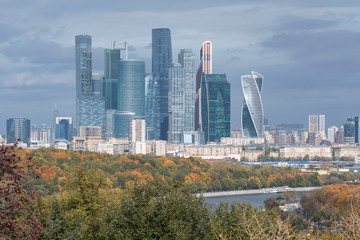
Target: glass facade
[
  {"x": 111, "y": 59},
  {"x": 152, "y": 114},
  {"x": 182, "y": 96},
  {"x": 18, "y": 128},
  {"x": 109, "y": 90},
  {"x": 176, "y": 103},
  {"x": 252, "y": 110},
  {"x": 161, "y": 62},
  {"x": 121, "y": 123},
  {"x": 83, "y": 64},
  {"x": 351, "y": 130},
  {"x": 63, "y": 129},
  {"x": 215, "y": 107},
  {"x": 131, "y": 87},
  {"x": 92, "y": 111}
]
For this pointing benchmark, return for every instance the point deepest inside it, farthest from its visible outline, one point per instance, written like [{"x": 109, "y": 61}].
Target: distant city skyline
[{"x": 309, "y": 53}]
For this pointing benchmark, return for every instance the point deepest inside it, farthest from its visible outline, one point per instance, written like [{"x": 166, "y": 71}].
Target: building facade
[
  {"x": 131, "y": 87},
  {"x": 161, "y": 62},
  {"x": 83, "y": 64},
  {"x": 252, "y": 116},
  {"x": 63, "y": 129},
  {"x": 215, "y": 107},
  {"x": 205, "y": 66},
  {"x": 92, "y": 111},
  {"x": 152, "y": 107},
  {"x": 18, "y": 128}
]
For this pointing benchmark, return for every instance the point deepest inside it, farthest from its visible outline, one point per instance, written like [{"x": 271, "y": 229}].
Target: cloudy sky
[{"x": 308, "y": 51}]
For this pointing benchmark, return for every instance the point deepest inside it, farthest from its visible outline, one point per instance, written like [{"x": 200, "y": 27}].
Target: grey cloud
[
  {"x": 39, "y": 52},
  {"x": 306, "y": 24},
  {"x": 131, "y": 48},
  {"x": 8, "y": 32}
]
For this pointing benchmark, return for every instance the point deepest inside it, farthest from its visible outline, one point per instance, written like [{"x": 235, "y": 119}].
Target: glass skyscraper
[
  {"x": 64, "y": 129},
  {"x": 161, "y": 62},
  {"x": 181, "y": 96},
  {"x": 83, "y": 63},
  {"x": 152, "y": 108},
  {"x": 215, "y": 107},
  {"x": 205, "y": 66},
  {"x": 109, "y": 90},
  {"x": 131, "y": 87},
  {"x": 121, "y": 123},
  {"x": 252, "y": 110},
  {"x": 111, "y": 58},
  {"x": 18, "y": 128},
  {"x": 92, "y": 111}
]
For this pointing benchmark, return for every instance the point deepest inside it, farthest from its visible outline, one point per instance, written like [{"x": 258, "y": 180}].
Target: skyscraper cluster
[{"x": 173, "y": 100}]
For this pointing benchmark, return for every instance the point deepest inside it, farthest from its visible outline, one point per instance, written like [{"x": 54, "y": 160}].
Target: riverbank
[{"x": 255, "y": 191}]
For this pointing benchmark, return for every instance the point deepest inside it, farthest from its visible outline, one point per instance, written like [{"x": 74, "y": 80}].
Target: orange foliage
[
  {"x": 340, "y": 194},
  {"x": 59, "y": 155}
]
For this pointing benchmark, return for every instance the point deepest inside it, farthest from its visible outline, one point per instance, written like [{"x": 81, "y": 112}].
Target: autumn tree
[{"x": 17, "y": 219}]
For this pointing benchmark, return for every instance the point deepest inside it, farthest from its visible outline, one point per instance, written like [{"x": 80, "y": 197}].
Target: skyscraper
[
  {"x": 110, "y": 81},
  {"x": 215, "y": 107},
  {"x": 332, "y": 133},
  {"x": 322, "y": 123},
  {"x": 349, "y": 130},
  {"x": 313, "y": 123},
  {"x": 64, "y": 129},
  {"x": 18, "y": 128},
  {"x": 181, "y": 96},
  {"x": 161, "y": 62},
  {"x": 187, "y": 60},
  {"x": 83, "y": 63},
  {"x": 152, "y": 108},
  {"x": 252, "y": 117},
  {"x": 92, "y": 111},
  {"x": 176, "y": 103},
  {"x": 131, "y": 87},
  {"x": 205, "y": 66},
  {"x": 111, "y": 58}
]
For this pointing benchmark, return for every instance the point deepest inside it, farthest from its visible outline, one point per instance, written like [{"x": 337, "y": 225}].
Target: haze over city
[{"x": 308, "y": 52}]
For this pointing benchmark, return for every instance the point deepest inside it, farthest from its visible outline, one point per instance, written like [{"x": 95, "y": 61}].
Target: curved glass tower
[{"x": 252, "y": 111}]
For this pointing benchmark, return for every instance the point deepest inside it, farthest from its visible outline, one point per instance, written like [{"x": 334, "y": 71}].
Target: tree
[
  {"x": 17, "y": 218},
  {"x": 271, "y": 203},
  {"x": 159, "y": 210}
]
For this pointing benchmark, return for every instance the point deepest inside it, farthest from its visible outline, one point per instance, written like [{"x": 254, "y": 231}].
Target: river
[{"x": 254, "y": 197}]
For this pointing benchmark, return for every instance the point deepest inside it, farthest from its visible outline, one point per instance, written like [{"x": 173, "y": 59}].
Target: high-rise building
[
  {"x": 152, "y": 107},
  {"x": 322, "y": 123},
  {"x": 349, "y": 130},
  {"x": 83, "y": 63},
  {"x": 41, "y": 135},
  {"x": 137, "y": 136},
  {"x": 313, "y": 123},
  {"x": 131, "y": 87},
  {"x": 176, "y": 104},
  {"x": 18, "y": 128},
  {"x": 205, "y": 66},
  {"x": 187, "y": 60},
  {"x": 110, "y": 80},
  {"x": 340, "y": 136},
  {"x": 215, "y": 107},
  {"x": 92, "y": 111},
  {"x": 121, "y": 123},
  {"x": 111, "y": 58},
  {"x": 356, "y": 129},
  {"x": 332, "y": 133},
  {"x": 181, "y": 96},
  {"x": 109, "y": 91},
  {"x": 161, "y": 62},
  {"x": 252, "y": 117},
  {"x": 64, "y": 129},
  {"x": 96, "y": 83}
]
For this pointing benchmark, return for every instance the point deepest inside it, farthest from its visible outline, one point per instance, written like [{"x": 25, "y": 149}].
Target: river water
[{"x": 257, "y": 200}]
